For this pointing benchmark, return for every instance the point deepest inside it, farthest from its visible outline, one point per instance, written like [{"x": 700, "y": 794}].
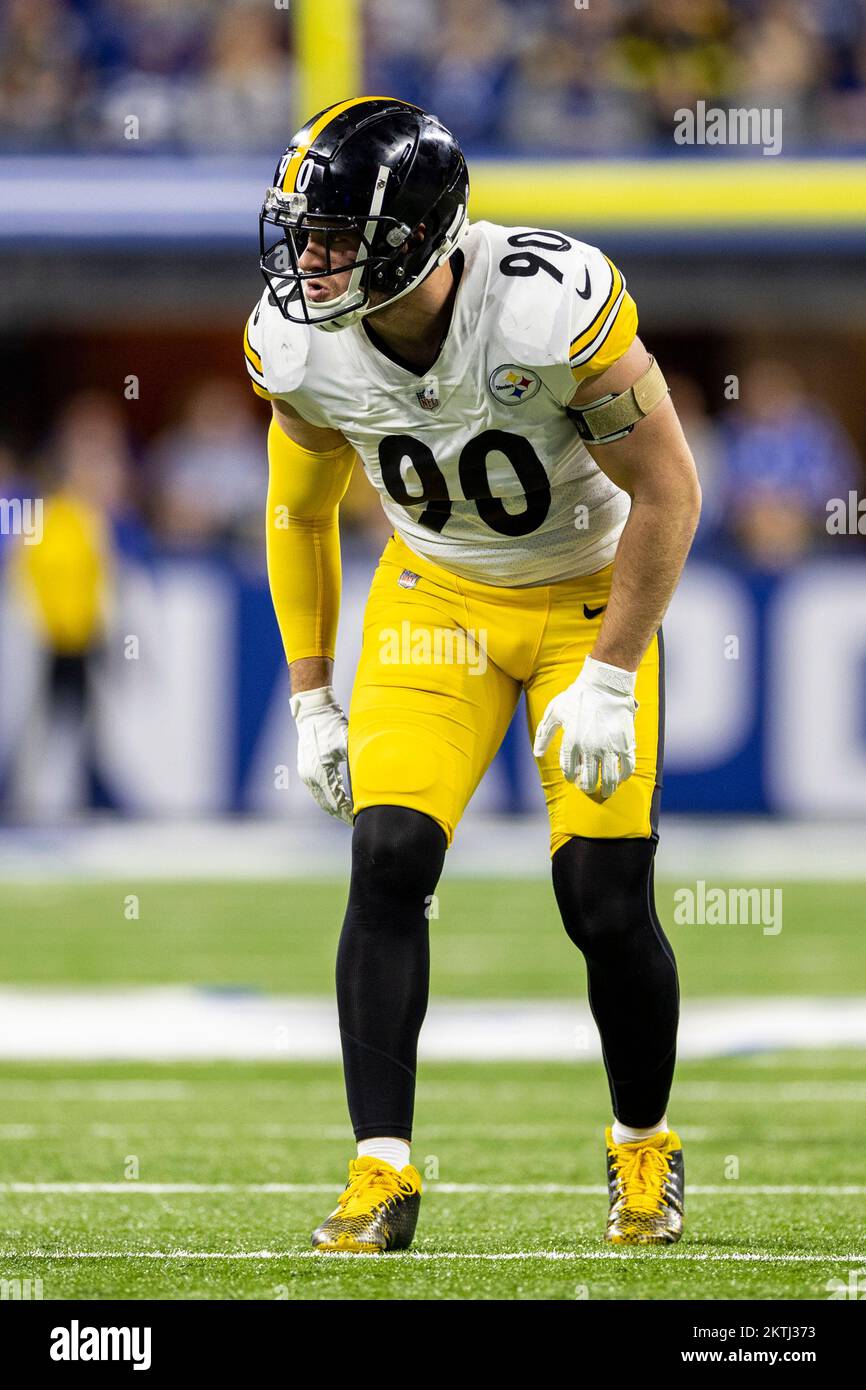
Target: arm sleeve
[{"x": 303, "y": 541}]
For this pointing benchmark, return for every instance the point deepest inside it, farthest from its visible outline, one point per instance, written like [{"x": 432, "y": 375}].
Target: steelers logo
[{"x": 513, "y": 385}]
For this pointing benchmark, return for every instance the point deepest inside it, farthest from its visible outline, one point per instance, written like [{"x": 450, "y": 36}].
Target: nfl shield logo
[
  {"x": 408, "y": 579},
  {"x": 428, "y": 396}
]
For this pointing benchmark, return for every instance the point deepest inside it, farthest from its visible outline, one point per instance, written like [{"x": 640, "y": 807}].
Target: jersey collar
[{"x": 450, "y": 366}]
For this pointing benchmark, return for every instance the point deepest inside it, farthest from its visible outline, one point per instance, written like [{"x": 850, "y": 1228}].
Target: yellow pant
[{"x": 442, "y": 667}]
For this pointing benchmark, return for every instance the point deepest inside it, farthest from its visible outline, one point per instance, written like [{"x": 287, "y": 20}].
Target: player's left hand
[{"x": 596, "y": 715}]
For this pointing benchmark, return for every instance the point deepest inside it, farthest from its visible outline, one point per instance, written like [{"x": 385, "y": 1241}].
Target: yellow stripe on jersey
[
  {"x": 255, "y": 367},
  {"x": 618, "y": 339},
  {"x": 250, "y": 352},
  {"x": 585, "y": 338},
  {"x": 315, "y": 131},
  {"x": 255, "y": 376}
]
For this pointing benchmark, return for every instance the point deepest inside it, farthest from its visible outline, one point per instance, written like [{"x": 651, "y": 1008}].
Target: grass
[
  {"x": 492, "y": 938},
  {"x": 493, "y": 1125},
  {"x": 746, "y": 1122}
]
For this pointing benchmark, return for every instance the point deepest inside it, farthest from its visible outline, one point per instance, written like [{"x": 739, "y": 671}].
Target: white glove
[
  {"x": 322, "y": 746},
  {"x": 596, "y": 715}
]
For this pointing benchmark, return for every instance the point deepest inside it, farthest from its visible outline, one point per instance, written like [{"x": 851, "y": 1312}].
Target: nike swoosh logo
[
  {"x": 593, "y": 612},
  {"x": 587, "y": 288}
]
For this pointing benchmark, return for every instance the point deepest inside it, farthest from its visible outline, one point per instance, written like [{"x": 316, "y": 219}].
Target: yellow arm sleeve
[{"x": 303, "y": 541}]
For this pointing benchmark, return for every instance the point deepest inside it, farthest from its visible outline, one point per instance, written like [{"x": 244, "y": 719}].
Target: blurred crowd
[
  {"x": 197, "y": 488},
  {"x": 770, "y": 460},
  {"x": 564, "y": 76},
  {"x": 105, "y": 507}
]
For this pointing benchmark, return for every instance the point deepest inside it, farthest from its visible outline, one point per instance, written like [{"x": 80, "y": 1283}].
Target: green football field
[{"x": 204, "y": 1179}]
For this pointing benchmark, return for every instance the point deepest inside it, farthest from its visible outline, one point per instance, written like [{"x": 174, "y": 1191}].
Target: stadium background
[{"x": 145, "y": 737}]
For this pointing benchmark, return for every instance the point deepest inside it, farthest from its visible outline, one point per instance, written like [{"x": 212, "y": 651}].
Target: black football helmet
[{"x": 375, "y": 166}]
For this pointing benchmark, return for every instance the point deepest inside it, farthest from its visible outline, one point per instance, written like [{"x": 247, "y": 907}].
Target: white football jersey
[{"x": 477, "y": 465}]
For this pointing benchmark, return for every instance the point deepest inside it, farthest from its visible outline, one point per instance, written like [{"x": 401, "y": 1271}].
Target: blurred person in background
[
  {"x": 468, "y": 81},
  {"x": 14, "y": 486},
  {"x": 708, "y": 450},
  {"x": 65, "y": 585},
  {"x": 401, "y": 35},
  {"x": 208, "y": 478},
  {"x": 842, "y": 104},
  {"x": 786, "y": 457},
  {"x": 208, "y": 472},
  {"x": 198, "y": 75},
  {"x": 239, "y": 101},
  {"x": 42, "y": 72},
  {"x": 147, "y": 53},
  {"x": 562, "y": 83},
  {"x": 783, "y": 63},
  {"x": 671, "y": 53},
  {"x": 201, "y": 74}
]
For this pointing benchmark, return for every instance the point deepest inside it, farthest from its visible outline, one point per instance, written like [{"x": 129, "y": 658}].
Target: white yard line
[
  {"x": 341, "y": 1134},
  {"x": 96, "y": 1090},
  {"x": 697, "y": 1257},
  {"x": 268, "y": 1189},
  {"x": 717, "y": 1093},
  {"x": 177, "y": 1022}
]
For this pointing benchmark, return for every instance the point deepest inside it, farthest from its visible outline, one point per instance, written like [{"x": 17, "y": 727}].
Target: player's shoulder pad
[
  {"x": 276, "y": 351},
  {"x": 563, "y": 306}
]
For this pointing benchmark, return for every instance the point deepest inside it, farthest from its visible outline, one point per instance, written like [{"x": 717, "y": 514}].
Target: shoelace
[
  {"x": 362, "y": 1187},
  {"x": 641, "y": 1177}
]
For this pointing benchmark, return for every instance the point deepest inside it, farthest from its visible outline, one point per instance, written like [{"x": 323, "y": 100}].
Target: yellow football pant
[{"x": 442, "y": 667}]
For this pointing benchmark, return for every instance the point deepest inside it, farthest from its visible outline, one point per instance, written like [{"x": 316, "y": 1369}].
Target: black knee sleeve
[
  {"x": 383, "y": 964},
  {"x": 604, "y": 890}
]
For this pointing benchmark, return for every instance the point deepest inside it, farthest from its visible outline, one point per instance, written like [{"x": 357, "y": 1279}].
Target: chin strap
[{"x": 614, "y": 416}]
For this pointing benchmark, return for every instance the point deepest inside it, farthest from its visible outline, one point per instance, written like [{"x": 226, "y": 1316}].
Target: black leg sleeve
[
  {"x": 383, "y": 964},
  {"x": 604, "y": 889}
]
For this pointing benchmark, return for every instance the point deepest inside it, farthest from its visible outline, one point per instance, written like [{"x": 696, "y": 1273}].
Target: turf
[
  {"x": 776, "y": 1119},
  {"x": 491, "y": 938},
  {"x": 790, "y": 1119}
]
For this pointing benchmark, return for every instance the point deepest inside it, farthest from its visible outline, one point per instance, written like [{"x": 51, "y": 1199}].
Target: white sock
[
  {"x": 395, "y": 1151},
  {"x": 623, "y": 1134}
]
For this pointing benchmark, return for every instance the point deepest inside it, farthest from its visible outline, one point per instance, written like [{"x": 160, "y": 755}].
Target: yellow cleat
[
  {"x": 646, "y": 1183},
  {"x": 377, "y": 1211}
]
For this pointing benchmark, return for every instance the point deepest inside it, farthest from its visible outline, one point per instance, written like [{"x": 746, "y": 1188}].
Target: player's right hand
[{"x": 322, "y": 747}]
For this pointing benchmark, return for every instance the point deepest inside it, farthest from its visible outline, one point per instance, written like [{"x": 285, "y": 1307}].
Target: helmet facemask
[
  {"x": 280, "y": 260},
  {"x": 379, "y": 264}
]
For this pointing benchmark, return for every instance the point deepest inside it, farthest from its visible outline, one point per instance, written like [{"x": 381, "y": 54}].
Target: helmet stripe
[{"x": 331, "y": 114}]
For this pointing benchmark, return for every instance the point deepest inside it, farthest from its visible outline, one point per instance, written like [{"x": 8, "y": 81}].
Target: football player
[{"x": 543, "y": 500}]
